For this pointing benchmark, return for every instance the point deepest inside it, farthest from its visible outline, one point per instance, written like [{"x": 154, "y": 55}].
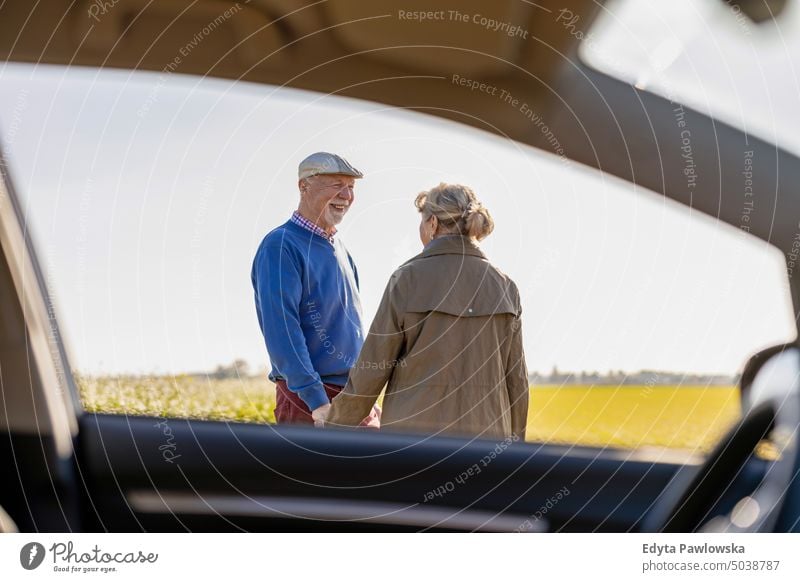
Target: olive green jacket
[{"x": 447, "y": 338}]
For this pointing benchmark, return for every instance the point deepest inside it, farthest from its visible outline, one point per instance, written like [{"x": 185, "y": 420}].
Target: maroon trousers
[{"x": 290, "y": 409}]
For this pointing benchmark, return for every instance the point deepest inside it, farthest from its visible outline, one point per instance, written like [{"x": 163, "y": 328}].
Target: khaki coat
[{"x": 447, "y": 344}]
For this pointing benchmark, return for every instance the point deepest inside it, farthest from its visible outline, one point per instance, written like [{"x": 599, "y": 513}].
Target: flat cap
[{"x": 326, "y": 163}]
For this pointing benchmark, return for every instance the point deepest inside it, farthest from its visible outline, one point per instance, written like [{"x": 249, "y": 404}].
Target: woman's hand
[{"x": 373, "y": 420}]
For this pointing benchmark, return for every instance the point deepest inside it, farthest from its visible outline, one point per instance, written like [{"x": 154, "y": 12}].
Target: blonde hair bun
[{"x": 457, "y": 208}]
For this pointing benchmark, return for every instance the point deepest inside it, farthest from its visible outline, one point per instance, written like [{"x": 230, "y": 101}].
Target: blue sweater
[{"x": 306, "y": 292}]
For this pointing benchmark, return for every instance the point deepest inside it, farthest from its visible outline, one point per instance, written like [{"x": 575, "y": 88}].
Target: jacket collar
[{"x": 452, "y": 245}]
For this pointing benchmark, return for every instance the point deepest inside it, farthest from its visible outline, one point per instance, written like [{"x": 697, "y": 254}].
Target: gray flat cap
[{"x": 325, "y": 163}]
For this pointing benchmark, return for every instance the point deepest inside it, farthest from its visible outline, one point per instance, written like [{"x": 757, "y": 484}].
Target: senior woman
[{"x": 447, "y": 336}]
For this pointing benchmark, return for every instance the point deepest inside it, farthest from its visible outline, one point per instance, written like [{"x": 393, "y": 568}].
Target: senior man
[{"x": 306, "y": 294}]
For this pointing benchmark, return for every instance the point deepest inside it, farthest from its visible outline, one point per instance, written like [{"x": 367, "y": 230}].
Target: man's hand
[{"x": 320, "y": 415}]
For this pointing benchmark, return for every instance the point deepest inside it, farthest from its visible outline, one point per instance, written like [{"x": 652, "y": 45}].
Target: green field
[
  {"x": 245, "y": 400},
  {"x": 686, "y": 417}
]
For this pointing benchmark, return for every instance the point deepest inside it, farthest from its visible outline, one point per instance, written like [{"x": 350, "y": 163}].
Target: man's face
[{"x": 325, "y": 199}]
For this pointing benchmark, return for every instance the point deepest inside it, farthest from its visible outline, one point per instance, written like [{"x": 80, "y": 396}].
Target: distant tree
[{"x": 239, "y": 368}]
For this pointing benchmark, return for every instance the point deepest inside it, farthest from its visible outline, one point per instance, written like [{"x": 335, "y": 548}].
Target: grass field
[
  {"x": 686, "y": 417},
  {"x": 245, "y": 400}
]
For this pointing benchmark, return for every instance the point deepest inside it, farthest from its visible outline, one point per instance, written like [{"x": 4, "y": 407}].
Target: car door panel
[{"x": 229, "y": 476}]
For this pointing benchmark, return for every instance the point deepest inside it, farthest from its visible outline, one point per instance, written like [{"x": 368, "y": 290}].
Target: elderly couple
[{"x": 446, "y": 340}]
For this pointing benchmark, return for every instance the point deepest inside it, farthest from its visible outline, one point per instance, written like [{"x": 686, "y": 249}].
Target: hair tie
[{"x": 471, "y": 209}]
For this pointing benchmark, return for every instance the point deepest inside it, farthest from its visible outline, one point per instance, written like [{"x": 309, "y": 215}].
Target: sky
[{"x": 147, "y": 195}]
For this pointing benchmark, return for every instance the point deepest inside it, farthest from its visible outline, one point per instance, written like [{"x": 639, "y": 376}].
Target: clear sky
[{"x": 149, "y": 194}]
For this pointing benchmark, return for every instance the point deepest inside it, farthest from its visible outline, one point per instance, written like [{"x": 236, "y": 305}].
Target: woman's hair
[{"x": 458, "y": 210}]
